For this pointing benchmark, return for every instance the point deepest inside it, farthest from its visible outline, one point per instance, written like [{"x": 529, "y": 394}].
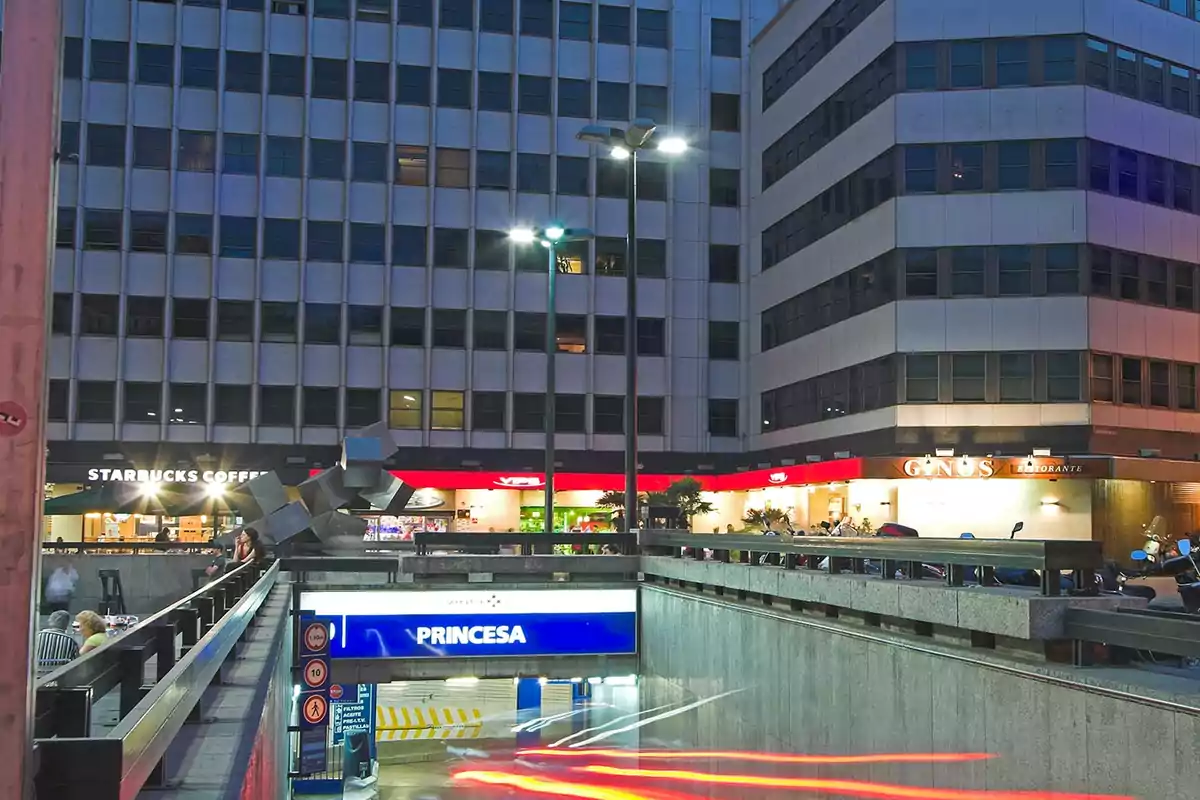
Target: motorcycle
[{"x": 1163, "y": 574}]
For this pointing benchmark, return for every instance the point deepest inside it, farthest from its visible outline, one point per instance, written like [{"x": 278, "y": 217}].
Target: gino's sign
[{"x": 962, "y": 467}]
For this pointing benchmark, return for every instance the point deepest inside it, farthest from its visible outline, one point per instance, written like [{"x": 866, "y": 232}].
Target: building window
[
  {"x": 198, "y": 67},
  {"x": 726, "y": 38},
  {"x": 1102, "y": 378},
  {"x": 450, "y": 328},
  {"x": 1128, "y": 278},
  {"x": 279, "y": 322},
  {"x": 1100, "y": 279},
  {"x": 447, "y": 410},
  {"x": 412, "y": 165},
  {"x": 1127, "y": 173},
  {"x": 1062, "y": 377},
  {"x": 967, "y": 372},
  {"x": 148, "y": 231},
  {"x": 723, "y": 417},
  {"x": 651, "y": 337},
  {"x": 1127, "y": 72},
  {"x": 652, "y": 181},
  {"x": 529, "y": 412},
  {"x": 1096, "y": 72},
  {"x": 99, "y": 314},
  {"x": 58, "y": 400},
  {"x": 320, "y": 406},
  {"x": 1016, "y": 271},
  {"x": 491, "y": 250},
  {"x": 1160, "y": 384},
  {"x": 367, "y": 242},
  {"x": 143, "y": 402},
  {"x": 651, "y": 258},
  {"x": 529, "y": 331},
  {"x": 966, "y": 65},
  {"x": 921, "y": 379},
  {"x": 610, "y": 255},
  {"x": 68, "y": 140},
  {"x": 966, "y": 165},
  {"x": 1058, "y": 60},
  {"x": 1012, "y": 166},
  {"x": 144, "y": 316},
  {"x": 920, "y": 67},
  {"x": 967, "y": 271},
  {"x": 408, "y": 245},
  {"x": 370, "y": 162},
  {"x": 365, "y": 325},
  {"x": 408, "y": 327},
  {"x": 193, "y": 234},
  {"x": 322, "y": 323},
  {"x": 459, "y": 14},
  {"x": 533, "y": 94},
  {"x": 453, "y": 168},
  {"x": 197, "y": 151},
  {"x": 72, "y": 57},
  {"x": 95, "y": 401},
  {"x": 110, "y": 61},
  {"x": 329, "y": 78},
  {"x": 325, "y": 241},
  {"x": 404, "y": 409},
  {"x": 155, "y": 64},
  {"x": 281, "y": 239},
  {"x": 920, "y": 169},
  {"x": 723, "y": 341},
  {"x": 277, "y": 405},
  {"x": 1016, "y": 377},
  {"x": 920, "y": 273},
  {"x": 1181, "y": 88},
  {"x": 231, "y": 405},
  {"x": 1184, "y": 283},
  {"x": 375, "y": 10},
  {"x": 488, "y": 411},
  {"x": 495, "y": 91},
  {"x": 412, "y": 85},
  {"x": 611, "y": 177},
  {"x": 651, "y": 416},
  {"x": 1181, "y": 185},
  {"x": 64, "y": 232},
  {"x": 1062, "y": 164},
  {"x": 1012, "y": 62},
  {"x": 652, "y": 103},
  {"x": 243, "y": 72},
  {"x": 188, "y": 403},
  {"x": 610, "y": 335},
  {"x": 1100, "y": 167},
  {"x": 1153, "y": 80},
  {"x": 240, "y": 155},
  {"x": 450, "y": 247},
  {"x": 1156, "y": 281},
  {"x": 573, "y": 175},
  {"x": 723, "y": 186},
  {"x": 189, "y": 318},
  {"x": 572, "y": 258},
  {"x": 613, "y": 24},
  {"x": 62, "y": 313},
  {"x": 362, "y": 407},
  {"x": 489, "y": 329},
  {"x": 286, "y": 75},
  {"x": 653, "y": 28},
  {"x": 1185, "y": 387},
  {"x": 1131, "y": 381},
  {"x": 575, "y": 22},
  {"x": 235, "y": 320},
  {"x": 285, "y": 157},
  {"x": 725, "y": 112},
  {"x": 608, "y": 414},
  {"x": 496, "y": 16},
  {"x": 1062, "y": 269},
  {"x": 327, "y": 159},
  {"x": 723, "y": 263},
  {"x": 571, "y": 333},
  {"x": 533, "y": 173},
  {"x": 330, "y": 9},
  {"x": 537, "y": 18},
  {"x": 492, "y": 168},
  {"x": 574, "y": 98},
  {"x": 570, "y": 413},
  {"x": 106, "y": 145},
  {"x": 454, "y": 88},
  {"x": 102, "y": 230},
  {"x": 612, "y": 100}
]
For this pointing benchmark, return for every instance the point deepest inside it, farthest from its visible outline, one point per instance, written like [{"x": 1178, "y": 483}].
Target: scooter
[{"x": 1167, "y": 575}]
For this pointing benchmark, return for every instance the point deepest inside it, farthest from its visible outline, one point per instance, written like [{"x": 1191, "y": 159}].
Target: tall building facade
[
  {"x": 974, "y": 226},
  {"x": 280, "y": 220}
]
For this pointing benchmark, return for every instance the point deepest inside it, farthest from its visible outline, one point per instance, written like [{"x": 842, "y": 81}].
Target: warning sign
[
  {"x": 316, "y": 673},
  {"x": 315, "y": 638},
  {"x": 315, "y": 710}
]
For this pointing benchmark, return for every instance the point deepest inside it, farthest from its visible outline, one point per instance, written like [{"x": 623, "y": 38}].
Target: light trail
[
  {"x": 648, "y": 720},
  {"x": 845, "y": 788},
  {"x": 611, "y": 722},
  {"x": 558, "y": 788},
  {"x": 765, "y": 758}
]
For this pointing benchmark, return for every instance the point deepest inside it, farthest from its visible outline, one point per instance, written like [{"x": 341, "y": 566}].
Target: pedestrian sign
[
  {"x": 315, "y": 711},
  {"x": 316, "y": 673},
  {"x": 315, "y": 638}
]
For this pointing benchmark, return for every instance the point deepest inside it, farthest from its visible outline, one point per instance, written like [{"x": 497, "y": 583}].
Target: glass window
[
  {"x": 573, "y": 176},
  {"x": 570, "y": 413},
  {"x": 319, "y": 405},
  {"x": 285, "y": 156},
  {"x": 243, "y": 72},
  {"x": 608, "y": 414},
  {"x": 723, "y": 185},
  {"x": 279, "y": 322},
  {"x": 651, "y": 416},
  {"x": 375, "y": 10},
  {"x": 102, "y": 230},
  {"x": 1101, "y": 272},
  {"x": 966, "y": 65},
  {"x": 370, "y": 162},
  {"x": 277, "y": 405},
  {"x": 367, "y": 242},
  {"x": 495, "y": 91},
  {"x": 491, "y": 250},
  {"x": 651, "y": 337},
  {"x": 327, "y": 159},
  {"x": 362, "y": 407},
  {"x": 533, "y": 94},
  {"x": 155, "y": 64},
  {"x": 332, "y": 9},
  {"x": 418, "y": 13},
  {"x": 1062, "y": 377},
  {"x": 1128, "y": 279},
  {"x": 1156, "y": 180},
  {"x": 325, "y": 241},
  {"x": 1062, "y": 164},
  {"x": 281, "y": 239},
  {"x": 610, "y": 255},
  {"x": 446, "y": 411},
  {"x": 1160, "y": 384},
  {"x": 365, "y": 325},
  {"x": 95, "y": 401},
  {"x": 68, "y": 140},
  {"x": 189, "y": 318},
  {"x": 1013, "y": 166},
  {"x": 1100, "y": 166},
  {"x": 99, "y": 314},
  {"x": 458, "y": 14},
  {"x": 1127, "y": 72},
  {"x": 1185, "y": 387},
  {"x": 110, "y": 61},
  {"x": 1097, "y": 64},
  {"x": 408, "y": 327},
  {"x": 613, "y": 25},
  {"x": 64, "y": 232},
  {"x": 412, "y": 165},
  {"x": 489, "y": 329},
  {"x": 723, "y": 263},
  {"x": 570, "y": 333},
  {"x": 492, "y": 169},
  {"x": 412, "y": 85},
  {"x": 652, "y": 102},
  {"x": 371, "y": 82},
  {"x": 537, "y": 18},
  {"x": 197, "y": 151},
  {"x": 1016, "y": 377},
  {"x": 920, "y": 169},
  {"x": 148, "y": 231},
  {"x": 920, "y": 62},
  {"x": 1062, "y": 269},
  {"x": 575, "y": 21},
  {"x": 723, "y": 417},
  {"x": 1127, "y": 173},
  {"x": 533, "y": 173},
  {"x": 967, "y": 271},
  {"x": 1016, "y": 271},
  {"x": 1156, "y": 281},
  {"x": 235, "y": 320},
  {"x": 453, "y": 168},
  {"x": 612, "y": 100},
  {"x": 920, "y": 273},
  {"x": 1184, "y": 283},
  {"x": 574, "y": 98},
  {"x": 450, "y": 328},
  {"x": 72, "y": 57},
  {"x": 408, "y": 245},
  {"x": 725, "y": 112},
  {"x": 611, "y": 178},
  {"x": 966, "y": 162},
  {"x": 404, "y": 409},
  {"x": 610, "y": 335},
  {"x": 653, "y": 28},
  {"x": 1012, "y": 62},
  {"x": 454, "y": 87},
  {"x": 723, "y": 341},
  {"x": 529, "y": 331},
  {"x": 529, "y": 412},
  {"x": 106, "y": 145},
  {"x": 450, "y": 247},
  {"x": 322, "y": 322},
  {"x": 921, "y": 379},
  {"x": 496, "y": 16},
  {"x": 286, "y": 75},
  {"x": 240, "y": 155},
  {"x": 1058, "y": 60},
  {"x": 1182, "y": 182},
  {"x": 727, "y": 38},
  {"x": 1181, "y": 88},
  {"x": 1131, "y": 381},
  {"x": 651, "y": 258},
  {"x": 1153, "y": 77},
  {"x": 58, "y": 401},
  {"x": 198, "y": 67},
  {"x": 193, "y": 234},
  {"x": 143, "y": 401},
  {"x": 967, "y": 377},
  {"x": 188, "y": 403},
  {"x": 488, "y": 411}
]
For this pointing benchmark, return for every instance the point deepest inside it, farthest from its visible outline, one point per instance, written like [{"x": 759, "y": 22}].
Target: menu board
[{"x": 385, "y": 528}]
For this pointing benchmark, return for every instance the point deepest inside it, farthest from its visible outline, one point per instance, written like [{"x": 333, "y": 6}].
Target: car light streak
[
  {"x": 765, "y": 758},
  {"x": 845, "y": 788},
  {"x": 557, "y": 788}
]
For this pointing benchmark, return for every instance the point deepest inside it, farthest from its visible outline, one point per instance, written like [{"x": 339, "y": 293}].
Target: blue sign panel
[
  {"x": 354, "y": 716},
  {"x": 440, "y": 624}
]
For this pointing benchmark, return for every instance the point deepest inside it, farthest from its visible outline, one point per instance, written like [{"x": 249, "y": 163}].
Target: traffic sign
[
  {"x": 314, "y": 712},
  {"x": 316, "y": 673},
  {"x": 336, "y": 692},
  {"x": 314, "y": 641}
]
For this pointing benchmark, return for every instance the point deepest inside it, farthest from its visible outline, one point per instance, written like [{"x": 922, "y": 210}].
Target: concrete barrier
[{"x": 148, "y": 582}]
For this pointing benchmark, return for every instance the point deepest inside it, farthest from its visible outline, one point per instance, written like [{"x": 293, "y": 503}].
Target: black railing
[
  {"x": 127, "y": 548},
  {"x": 490, "y": 543},
  {"x": 954, "y": 557},
  {"x": 1136, "y": 630},
  {"x": 72, "y": 762}
]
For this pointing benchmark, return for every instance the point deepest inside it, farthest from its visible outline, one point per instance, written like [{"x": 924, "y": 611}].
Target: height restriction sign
[{"x": 314, "y": 637}]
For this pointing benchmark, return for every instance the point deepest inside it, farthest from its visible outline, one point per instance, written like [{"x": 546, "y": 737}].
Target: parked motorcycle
[{"x": 1165, "y": 575}]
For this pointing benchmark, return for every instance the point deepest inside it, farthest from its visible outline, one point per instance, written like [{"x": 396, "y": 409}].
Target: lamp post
[
  {"x": 550, "y": 237},
  {"x": 623, "y": 144}
]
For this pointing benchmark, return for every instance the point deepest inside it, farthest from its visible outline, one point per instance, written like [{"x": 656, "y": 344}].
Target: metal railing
[
  {"x": 490, "y": 543},
  {"x": 1163, "y": 632},
  {"x": 72, "y": 763},
  {"x": 846, "y": 554},
  {"x": 127, "y": 548}
]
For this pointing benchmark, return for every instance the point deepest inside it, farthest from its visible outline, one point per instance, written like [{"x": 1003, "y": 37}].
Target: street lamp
[
  {"x": 550, "y": 237},
  {"x": 623, "y": 144}
]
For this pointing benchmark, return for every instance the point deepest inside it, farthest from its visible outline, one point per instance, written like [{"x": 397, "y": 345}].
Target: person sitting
[
  {"x": 93, "y": 629},
  {"x": 55, "y": 646}
]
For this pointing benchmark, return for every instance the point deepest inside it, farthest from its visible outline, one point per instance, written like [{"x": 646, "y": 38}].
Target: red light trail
[
  {"x": 765, "y": 758},
  {"x": 557, "y": 788},
  {"x": 845, "y": 788}
]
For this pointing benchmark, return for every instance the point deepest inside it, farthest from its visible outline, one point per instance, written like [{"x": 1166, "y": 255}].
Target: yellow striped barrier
[
  {"x": 427, "y": 734},
  {"x": 389, "y": 718}
]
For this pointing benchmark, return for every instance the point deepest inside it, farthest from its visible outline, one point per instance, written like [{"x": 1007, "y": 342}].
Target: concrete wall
[
  {"x": 808, "y": 690},
  {"x": 148, "y": 582}
]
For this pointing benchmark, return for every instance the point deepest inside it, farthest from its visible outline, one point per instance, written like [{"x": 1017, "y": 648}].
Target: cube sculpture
[{"x": 360, "y": 473}]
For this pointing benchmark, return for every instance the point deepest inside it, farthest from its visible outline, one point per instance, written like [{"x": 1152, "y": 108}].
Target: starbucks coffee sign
[{"x": 222, "y": 476}]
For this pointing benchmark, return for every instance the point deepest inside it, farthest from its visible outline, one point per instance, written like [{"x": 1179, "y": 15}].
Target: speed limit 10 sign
[{"x": 316, "y": 673}]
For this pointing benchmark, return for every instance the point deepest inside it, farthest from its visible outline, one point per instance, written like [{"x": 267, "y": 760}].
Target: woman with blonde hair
[{"x": 93, "y": 630}]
